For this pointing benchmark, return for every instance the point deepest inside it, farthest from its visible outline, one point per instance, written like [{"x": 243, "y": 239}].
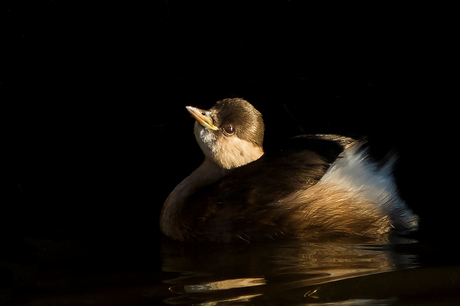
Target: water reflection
[{"x": 287, "y": 272}]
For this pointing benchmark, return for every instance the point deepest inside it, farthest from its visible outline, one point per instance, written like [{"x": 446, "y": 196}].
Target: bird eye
[{"x": 229, "y": 130}]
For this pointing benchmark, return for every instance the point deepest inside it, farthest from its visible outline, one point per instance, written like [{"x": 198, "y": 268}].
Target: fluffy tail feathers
[{"x": 366, "y": 179}]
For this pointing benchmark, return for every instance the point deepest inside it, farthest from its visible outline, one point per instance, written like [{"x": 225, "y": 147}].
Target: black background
[{"x": 94, "y": 95}]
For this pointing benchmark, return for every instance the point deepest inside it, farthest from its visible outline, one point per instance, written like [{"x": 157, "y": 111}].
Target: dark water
[{"x": 66, "y": 271}]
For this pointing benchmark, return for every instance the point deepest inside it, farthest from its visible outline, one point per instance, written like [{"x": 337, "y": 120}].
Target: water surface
[
  {"x": 281, "y": 273},
  {"x": 396, "y": 272}
]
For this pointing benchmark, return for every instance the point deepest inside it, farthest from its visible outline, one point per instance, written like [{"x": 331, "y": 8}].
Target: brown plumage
[{"x": 314, "y": 187}]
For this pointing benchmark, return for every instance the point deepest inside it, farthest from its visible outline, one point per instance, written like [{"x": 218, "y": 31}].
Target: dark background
[{"x": 94, "y": 95}]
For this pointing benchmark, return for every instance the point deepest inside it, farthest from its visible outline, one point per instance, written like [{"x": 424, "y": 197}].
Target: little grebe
[{"x": 318, "y": 186}]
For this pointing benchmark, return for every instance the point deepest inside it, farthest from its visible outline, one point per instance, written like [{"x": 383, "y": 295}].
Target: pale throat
[{"x": 227, "y": 152}]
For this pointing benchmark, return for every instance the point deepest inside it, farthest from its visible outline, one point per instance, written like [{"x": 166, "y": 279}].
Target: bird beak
[{"x": 201, "y": 117}]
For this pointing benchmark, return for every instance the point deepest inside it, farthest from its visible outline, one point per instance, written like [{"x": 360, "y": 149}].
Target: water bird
[{"x": 317, "y": 186}]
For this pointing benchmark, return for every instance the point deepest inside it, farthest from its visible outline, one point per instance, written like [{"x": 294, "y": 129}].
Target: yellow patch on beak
[{"x": 201, "y": 118}]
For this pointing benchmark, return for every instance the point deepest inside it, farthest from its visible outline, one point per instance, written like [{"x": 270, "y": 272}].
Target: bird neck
[{"x": 207, "y": 173}]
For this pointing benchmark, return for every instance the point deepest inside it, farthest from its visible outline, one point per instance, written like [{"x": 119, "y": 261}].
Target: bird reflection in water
[{"x": 207, "y": 274}]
